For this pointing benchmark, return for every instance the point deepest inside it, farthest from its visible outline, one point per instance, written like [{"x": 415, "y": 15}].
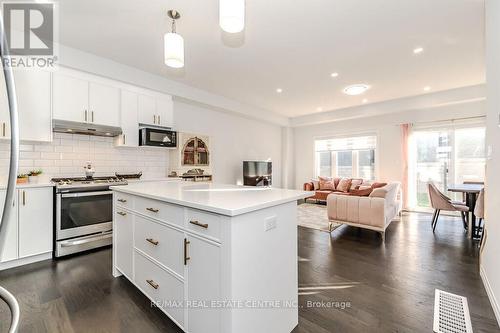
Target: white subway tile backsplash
[{"x": 66, "y": 155}]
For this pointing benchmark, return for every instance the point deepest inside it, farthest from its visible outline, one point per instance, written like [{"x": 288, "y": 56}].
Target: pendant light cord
[{"x": 14, "y": 161}]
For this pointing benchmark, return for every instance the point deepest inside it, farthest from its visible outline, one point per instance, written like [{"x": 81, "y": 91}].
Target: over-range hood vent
[{"x": 65, "y": 126}]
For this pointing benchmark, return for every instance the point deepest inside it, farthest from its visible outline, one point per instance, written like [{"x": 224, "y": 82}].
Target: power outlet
[{"x": 270, "y": 223}]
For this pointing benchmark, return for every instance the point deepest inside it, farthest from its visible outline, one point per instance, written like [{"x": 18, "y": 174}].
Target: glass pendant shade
[
  {"x": 174, "y": 50},
  {"x": 232, "y": 15}
]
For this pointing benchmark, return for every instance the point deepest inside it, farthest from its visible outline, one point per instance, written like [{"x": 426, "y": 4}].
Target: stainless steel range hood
[{"x": 65, "y": 126}]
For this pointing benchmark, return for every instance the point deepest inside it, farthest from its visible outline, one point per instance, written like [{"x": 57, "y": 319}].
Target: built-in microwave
[{"x": 159, "y": 137}]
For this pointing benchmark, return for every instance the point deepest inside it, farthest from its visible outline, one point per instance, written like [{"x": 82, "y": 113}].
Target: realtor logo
[{"x": 30, "y": 31}]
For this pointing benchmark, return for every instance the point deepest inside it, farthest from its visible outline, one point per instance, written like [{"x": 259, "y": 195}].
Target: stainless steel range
[{"x": 84, "y": 213}]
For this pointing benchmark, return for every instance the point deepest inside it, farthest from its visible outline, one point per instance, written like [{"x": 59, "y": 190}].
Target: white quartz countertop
[
  {"x": 230, "y": 200},
  {"x": 29, "y": 185}
]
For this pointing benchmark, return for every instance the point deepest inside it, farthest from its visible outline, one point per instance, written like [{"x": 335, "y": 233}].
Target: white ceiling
[{"x": 293, "y": 45}]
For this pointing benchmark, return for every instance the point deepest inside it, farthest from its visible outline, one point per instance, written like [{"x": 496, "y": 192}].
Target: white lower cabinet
[
  {"x": 204, "y": 278},
  {"x": 122, "y": 240},
  {"x": 30, "y": 231}
]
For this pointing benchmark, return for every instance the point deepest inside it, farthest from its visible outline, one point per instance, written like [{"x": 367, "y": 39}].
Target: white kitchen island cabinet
[{"x": 215, "y": 258}]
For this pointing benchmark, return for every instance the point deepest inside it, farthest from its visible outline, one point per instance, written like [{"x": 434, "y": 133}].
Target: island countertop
[{"x": 230, "y": 200}]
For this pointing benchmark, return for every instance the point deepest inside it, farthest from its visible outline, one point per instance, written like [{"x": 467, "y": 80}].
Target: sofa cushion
[
  {"x": 326, "y": 183},
  {"x": 380, "y": 192},
  {"x": 377, "y": 185},
  {"x": 356, "y": 182},
  {"x": 315, "y": 183},
  {"x": 344, "y": 185},
  {"x": 362, "y": 191}
]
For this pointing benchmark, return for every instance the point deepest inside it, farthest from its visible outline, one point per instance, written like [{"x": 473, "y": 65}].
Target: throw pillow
[
  {"x": 378, "y": 185},
  {"x": 378, "y": 193},
  {"x": 361, "y": 192},
  {"x": 356, "y": 182},
  {"x": 326, "y": 184},
  {"x": 344, "y": 185}
]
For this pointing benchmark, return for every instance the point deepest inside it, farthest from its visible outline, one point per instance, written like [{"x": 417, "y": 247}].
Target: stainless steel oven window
[{"x": 83, "y": 213}]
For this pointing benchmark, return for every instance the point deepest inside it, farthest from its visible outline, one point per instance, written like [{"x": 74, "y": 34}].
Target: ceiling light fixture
[
  {"x": 319, "y": 109},
  {"x": 418, "y": 50},
  {"x": 232, "y": 15},
  {"x": 427, "y": 88},
  {"x": 174, "y": 44},
  {"x": 364, "y": 101},
  {"x": 279, "y": 90},
  {"x": 356, "y": 89},
  {"x": 334, "y": 74}
]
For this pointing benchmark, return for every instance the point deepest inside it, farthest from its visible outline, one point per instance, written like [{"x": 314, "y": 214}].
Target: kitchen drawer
[
  {"x": 162, "y": 287},
  {"x": 162, "y": 243},
  {"x": 123, "y": 200},
  {"x": 204, "y": 223},
  {"x": 160, "y": 210}
]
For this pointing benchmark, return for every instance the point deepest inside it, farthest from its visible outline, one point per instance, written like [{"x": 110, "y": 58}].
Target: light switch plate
[{"x": 270, "y": 223}]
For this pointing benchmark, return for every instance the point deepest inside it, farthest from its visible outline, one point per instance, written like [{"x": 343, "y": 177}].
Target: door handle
[
  {"x": 123, "y": 138},
  {"x": 159, "y": 121},
  {"x": 154, "y": 119},
  {"x": 121, "y": 213},
  {"x": 153, "y": 284},
  {"x": 85, "y": 115},
  {"x": 24, "y": 198},
  {"x": 203, "y": 225},
  {"x": 154, "y": 210},
  {"x": 92, "y": 114},
  {"x": 3, "y": 129},
  {"x": 186, "y": 258},
  {"x": 152, "y": 241}
]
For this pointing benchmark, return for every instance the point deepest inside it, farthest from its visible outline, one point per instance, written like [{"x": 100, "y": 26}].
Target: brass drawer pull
[
  {"x": 3, "y": 129},
  {"x": 154, "y": 210},
  {"x": 186, "y": 258},
  {"x": 122, "y": 200},
  {"x": 121, "y": 213},
  {"x": 152, "y": 241},
  {"x": 24, "y": 198},
  {"x": 153, "y": 284},
  {"x": 203, "y": 225}
]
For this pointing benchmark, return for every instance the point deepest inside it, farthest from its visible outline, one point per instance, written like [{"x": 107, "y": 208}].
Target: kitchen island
[{"x": 215, "y": 258}]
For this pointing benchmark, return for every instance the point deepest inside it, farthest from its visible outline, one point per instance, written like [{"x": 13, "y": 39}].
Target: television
[{"x": 257, "y": 173}]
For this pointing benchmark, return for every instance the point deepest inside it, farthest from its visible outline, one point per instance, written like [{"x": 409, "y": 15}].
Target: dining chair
[
  {"x": 440, "y": 202},
  {"x": 479, "y": 213}
]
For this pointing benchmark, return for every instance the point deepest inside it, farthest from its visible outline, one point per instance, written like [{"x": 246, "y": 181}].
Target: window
[{"x": 352, "y": 157}]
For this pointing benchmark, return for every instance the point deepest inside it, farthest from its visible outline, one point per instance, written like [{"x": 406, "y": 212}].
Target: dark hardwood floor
[{"x": 370, "y": 286}]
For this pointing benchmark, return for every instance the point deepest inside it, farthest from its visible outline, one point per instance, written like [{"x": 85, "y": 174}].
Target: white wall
[
  {"x": 386, "y": 126},
  {"x": 490, "y": 263},
  {"x": 232, "y": 140}
]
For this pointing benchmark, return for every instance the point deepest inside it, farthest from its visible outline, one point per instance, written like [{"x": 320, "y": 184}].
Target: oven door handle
[
  {"x": 89, "y": 239},
  {"x": 85, "y": 194}
]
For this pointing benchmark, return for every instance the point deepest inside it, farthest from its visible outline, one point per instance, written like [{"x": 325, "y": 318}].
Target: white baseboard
[
  {"x": 25, "y": 261},
  {"x": 491, "y": 296}
]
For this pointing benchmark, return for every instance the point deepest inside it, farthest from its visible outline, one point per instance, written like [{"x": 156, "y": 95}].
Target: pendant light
[
  {"x": 174, "y": 44},
  {"x": 232, "y": 15}
]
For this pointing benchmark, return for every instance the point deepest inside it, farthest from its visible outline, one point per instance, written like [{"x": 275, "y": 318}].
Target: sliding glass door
[{"x": 444, "y": 155}]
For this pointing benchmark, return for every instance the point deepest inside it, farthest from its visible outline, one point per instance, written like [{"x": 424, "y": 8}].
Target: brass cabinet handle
[
  {"x": 92, "y": 113},
  {"x": 122, "y": 200},
  {"x": 186, "y": 258},
  {"x": 3, "y": 129},
  {"x": 85, "y": 115},
  {"x": 121, "y": 213},
  {"x": 154, "y": 119},
  {"x": 154, "y": 210},
  {"x": 24, "y": 198},
  {"x": 123, "y": 138},
  {"x": 153, "y": 284},
  {"x": 159, "y": 121},
  {"x": 203, "y": 225},
  {"x": 152, "y": 241}
]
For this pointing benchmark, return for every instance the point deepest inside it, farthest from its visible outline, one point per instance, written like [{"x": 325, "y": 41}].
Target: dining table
[{"x": 471, "y": 192}]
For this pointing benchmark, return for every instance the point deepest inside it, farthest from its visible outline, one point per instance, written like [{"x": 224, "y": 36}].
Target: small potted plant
[
  {"x": 33, "y": 176},
  {"x": 22, "y": 178}
]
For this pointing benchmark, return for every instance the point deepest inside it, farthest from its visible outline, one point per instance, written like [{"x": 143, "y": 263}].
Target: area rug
[{"x": 314, "y": 216}]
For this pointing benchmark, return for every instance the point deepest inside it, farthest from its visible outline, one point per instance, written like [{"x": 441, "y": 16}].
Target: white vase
[{"x": 33, "y": 179}]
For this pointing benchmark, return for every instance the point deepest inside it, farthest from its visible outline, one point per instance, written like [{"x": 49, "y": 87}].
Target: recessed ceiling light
[
  {"x": 427, "y": 88},
  {"x": 334, "y": 74},
  {"x": 356, "y": 89},
  {"x": 364, "y": 101},
  {"x": 279, "y": 90},
  {"x": 319, "y": 109},
  {"x": 418, "y": 50}
]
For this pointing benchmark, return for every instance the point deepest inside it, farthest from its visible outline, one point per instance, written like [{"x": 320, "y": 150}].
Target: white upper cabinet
[
  {"x": 83, "y": 100},
  {"x": 156, "y": 110},
  {"x": 71, "y": 98},
  {"x": 147, "y": 110},
  {"x": 129, "y": 122},
  {"x": 165, "y": 111},
  {"x": 104, "y": 104},
  {"x": 10, "y": 247},
  {"x": 33, "y": 90},
  {"x": 35, "y": 221}
]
